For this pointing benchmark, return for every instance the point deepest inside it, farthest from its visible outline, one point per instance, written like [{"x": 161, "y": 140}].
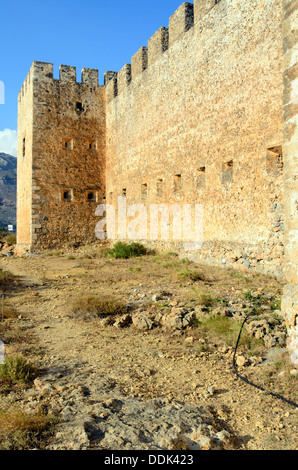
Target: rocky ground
[{"x": 159, "y": 375}]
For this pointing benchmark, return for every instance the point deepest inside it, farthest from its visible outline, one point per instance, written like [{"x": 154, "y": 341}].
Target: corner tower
[{"x": 61, "y": 157}]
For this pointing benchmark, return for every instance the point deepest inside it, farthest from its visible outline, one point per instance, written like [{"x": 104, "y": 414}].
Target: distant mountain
[{"x": 8, "y": 189}]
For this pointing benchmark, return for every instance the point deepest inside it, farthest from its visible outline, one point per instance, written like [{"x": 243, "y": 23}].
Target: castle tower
[{"x": 61, "y": 157}]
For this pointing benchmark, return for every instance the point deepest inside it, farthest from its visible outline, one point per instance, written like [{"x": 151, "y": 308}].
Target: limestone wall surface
[
  {"x": 197, "y": 117},
  {"x": 24, "y": 163},
  {"x": 290, "y": 49},
  {"x": 68, "y": 156}
]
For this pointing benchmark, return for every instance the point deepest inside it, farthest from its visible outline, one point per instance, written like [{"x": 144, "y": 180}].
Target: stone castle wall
[
  {"x": 196, "y": 117},
  {"x": 205, "y": 113},
  {"x": 290, "y": 101}
]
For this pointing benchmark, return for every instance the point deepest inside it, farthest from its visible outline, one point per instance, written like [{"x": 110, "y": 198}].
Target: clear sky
[{"x": 97, "y": 34}]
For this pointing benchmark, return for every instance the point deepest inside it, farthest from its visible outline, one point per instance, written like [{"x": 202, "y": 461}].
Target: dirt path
[{"x": 91, "y": 372}]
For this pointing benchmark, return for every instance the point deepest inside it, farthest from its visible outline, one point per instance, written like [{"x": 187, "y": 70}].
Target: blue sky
[{"x": 95, "y": 34}]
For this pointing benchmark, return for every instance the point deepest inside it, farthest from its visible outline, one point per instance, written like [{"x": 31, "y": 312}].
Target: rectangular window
[
  {"x": 227, "y": 172},
  {"x": 79, "y": 107},
  {"x": 177, "y": 183},
  {"x": 24, "y": 147},
  {"x": 274, "y": 159},
  {"x": 201, "y": 177},
  {"x": 67, "y": 195},
  {"x": 92, "y": 145},
  {"x": 67, "y": 144},
  {"x": 91, "y": 196},
  {"x": 144, "y": 191},
  {"x": 159, "y": 187},
  {"x": 124, "y": 192}
]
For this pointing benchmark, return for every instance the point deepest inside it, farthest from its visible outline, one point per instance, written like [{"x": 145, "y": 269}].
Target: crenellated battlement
[
  {"x": 124, "y": 78},
  {"x": 180, "y": 22},
  {"x": 202, "y": 7},
  {"x": 158, "y": 44},
  {"x": 43, "y": 71},
  {"x": 139, "y": 62},
  {"x": 110, "y": 81}
]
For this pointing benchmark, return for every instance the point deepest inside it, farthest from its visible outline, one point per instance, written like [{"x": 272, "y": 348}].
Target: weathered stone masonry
[
  {"x": 290, "y": 148},
  {"x": 61, "y": 157},
  {"x": 205, "y": 113},
  {"x": 201, "y": 107}
]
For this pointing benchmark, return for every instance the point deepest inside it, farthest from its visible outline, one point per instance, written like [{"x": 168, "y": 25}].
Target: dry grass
[
  {"x": 20, "y": 430},
  {"x": 6, "y": 279},
  {"x": 89, "y": 306}
]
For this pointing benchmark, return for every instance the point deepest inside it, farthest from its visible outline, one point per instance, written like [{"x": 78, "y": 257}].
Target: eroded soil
[{"x": 190, "y": 367}]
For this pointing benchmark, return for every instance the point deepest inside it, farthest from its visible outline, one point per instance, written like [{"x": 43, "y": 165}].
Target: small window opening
[
  {"x": 144, "y": 191},
  {"x": 92, "y": 145},
  {"x": 227, "y": 172},
  {"x": 24, "y": 147},
  {"x": 201, "y": 177},
  {"x": 177, "y": 183},
  {"x": 67, "y": 195},
  {"x": 159, "y": 187},
  {"x": 67, "y": 144},
  {"x": 274, "y": 159},
  {"x": 79, "y": 107},
  {"x": 91, "y": 196},
  {"x": 124, "y": 192}
]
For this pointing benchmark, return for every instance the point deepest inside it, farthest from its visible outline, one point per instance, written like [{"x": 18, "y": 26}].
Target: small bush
[
  {"x": 93, "y": 307},
  {"x": 10, "y": 239},
  {"x": 191, "y": 275},
  {"x": 126, "y": 250},
  {"x": 206, "y": 300},
  {"x": 20, "y": 430},
  {"x": 6, "y": 279},
  {"x": 17, "y": 370}
]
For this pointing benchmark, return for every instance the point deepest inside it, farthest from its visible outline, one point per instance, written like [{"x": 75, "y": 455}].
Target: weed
[
  {"x": 125, "y": 251},
  {"x": 10, "y": 239},
  {"x": 206, "y": 300},
  {"x": 192, "y": 275},
  {"x": 6, "y": 278},
  {"x": 20, "y": 430},
  {"x": 16, "y": 370},
  {"x": 223, "y": 328},
  {"x": 94, "y": 307},
  {"x": 135, "y": 270}
]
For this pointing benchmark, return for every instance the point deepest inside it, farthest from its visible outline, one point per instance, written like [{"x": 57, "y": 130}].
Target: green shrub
[
  {"x": 17, "y": 370},
  {"x": 191, "y": 275},
  {"x": 126, "y": 250}
]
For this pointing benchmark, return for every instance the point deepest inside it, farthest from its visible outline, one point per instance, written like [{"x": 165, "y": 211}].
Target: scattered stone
[
  {"x": 189, "y": 340},
  {"x": 241, "y": 361},
  {"x": 123, "y": 321},
  {"x": 142, "y": 322}
]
